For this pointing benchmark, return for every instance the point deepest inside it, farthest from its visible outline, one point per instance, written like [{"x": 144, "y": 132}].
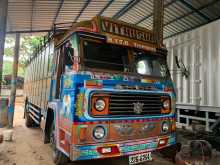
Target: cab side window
[{"x": 68, "y": 54}]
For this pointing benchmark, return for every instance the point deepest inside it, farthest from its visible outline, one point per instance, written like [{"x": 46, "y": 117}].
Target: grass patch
[{"x": 8, "y": 66}]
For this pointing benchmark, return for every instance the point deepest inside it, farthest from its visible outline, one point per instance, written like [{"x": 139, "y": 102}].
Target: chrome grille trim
[{"x": 123, "y": 103}]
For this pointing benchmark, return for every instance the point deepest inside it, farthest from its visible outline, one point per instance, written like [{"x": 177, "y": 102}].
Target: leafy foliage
[
  {"x": 9, "y": 46},
  {"x": 7, "y": 68},
  {"x": 28, "y": 44}
]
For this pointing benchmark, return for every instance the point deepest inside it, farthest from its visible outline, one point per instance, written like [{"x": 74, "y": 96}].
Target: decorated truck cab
[{"x": 102, "y": 89}]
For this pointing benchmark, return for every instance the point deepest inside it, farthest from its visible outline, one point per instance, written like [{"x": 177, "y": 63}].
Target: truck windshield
[
  {"x": 115, "y": 58},
  {"x": 105, "y": 56},
  {"x": 146, "y": 64}
]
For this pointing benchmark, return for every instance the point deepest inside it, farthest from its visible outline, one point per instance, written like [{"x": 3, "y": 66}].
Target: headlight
[
  {"x": 166, "y": 104},
  {"x": 166, "y": 107},
  {"x": 100, "y": 105},
  {"x": 165, "y": 127},
  {"x": 99, "y": 132}
]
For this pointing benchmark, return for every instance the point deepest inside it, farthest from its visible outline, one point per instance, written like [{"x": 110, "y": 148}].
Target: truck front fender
[{"x": 52, "y": 115}]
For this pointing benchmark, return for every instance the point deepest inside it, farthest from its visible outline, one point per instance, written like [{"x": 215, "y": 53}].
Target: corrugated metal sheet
[
  {"x": 116, "y": 6},
  {"x": 200, "y": 52},
  {"x": 69, "y": 11},
  {"x": 138, "y": 12},
  {"x": 179, "y": 15},
  {"x": 93, "y": 8}
]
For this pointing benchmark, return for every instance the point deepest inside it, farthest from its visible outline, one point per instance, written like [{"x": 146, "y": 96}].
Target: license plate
[{"x": 135, "y": 159}]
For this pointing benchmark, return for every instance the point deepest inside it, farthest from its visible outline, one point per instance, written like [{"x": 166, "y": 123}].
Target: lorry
[{"x": 101, "y": 89}]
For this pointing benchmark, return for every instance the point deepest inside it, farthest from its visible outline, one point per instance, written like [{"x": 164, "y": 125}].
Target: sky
[{"x": 5, "y": 58}]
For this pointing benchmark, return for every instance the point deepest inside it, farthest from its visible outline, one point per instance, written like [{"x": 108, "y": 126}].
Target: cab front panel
[{"x": 126, "y": 132}]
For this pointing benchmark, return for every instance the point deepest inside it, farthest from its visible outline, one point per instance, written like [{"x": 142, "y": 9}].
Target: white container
[{"x": 199, "y": 50}]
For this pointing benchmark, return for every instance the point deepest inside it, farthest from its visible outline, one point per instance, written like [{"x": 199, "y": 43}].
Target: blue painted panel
[{"x": 73, "y": 84}]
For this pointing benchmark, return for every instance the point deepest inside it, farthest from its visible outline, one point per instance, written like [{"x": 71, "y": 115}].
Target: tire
[
  {"x": 29, "y": 122},
  {"x": 58, "y": 157},
  {"x": 171, "y": 151}
]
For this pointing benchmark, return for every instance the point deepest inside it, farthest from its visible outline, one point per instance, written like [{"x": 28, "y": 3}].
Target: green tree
[
  {"x": 9, "y": 46},
  {"x": 28, "y": 44}
]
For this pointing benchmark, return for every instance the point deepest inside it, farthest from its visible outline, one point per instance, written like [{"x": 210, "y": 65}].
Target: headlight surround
[
  {"x": 99, "y": 132},
  {"x": 165, "y": 127},
  {"x": 100, "y": 105},
  {"x": 166, "y": 105}
]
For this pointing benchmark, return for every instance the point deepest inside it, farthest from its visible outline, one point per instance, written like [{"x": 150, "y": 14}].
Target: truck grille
[{"x": 124, "y": 104}]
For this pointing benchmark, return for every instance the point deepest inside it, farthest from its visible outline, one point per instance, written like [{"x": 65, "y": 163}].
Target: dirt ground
[{"x": 27, "y": 147}]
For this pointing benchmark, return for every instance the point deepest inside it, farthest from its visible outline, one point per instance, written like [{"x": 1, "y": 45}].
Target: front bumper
[{"x": 131, "y": 147}]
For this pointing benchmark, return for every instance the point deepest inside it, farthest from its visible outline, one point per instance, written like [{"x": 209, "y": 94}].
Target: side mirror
[
  {"x": 69, "y": 51},
  {"x": 69, "y": 55},
  {"x": 184, "y": 71}
]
